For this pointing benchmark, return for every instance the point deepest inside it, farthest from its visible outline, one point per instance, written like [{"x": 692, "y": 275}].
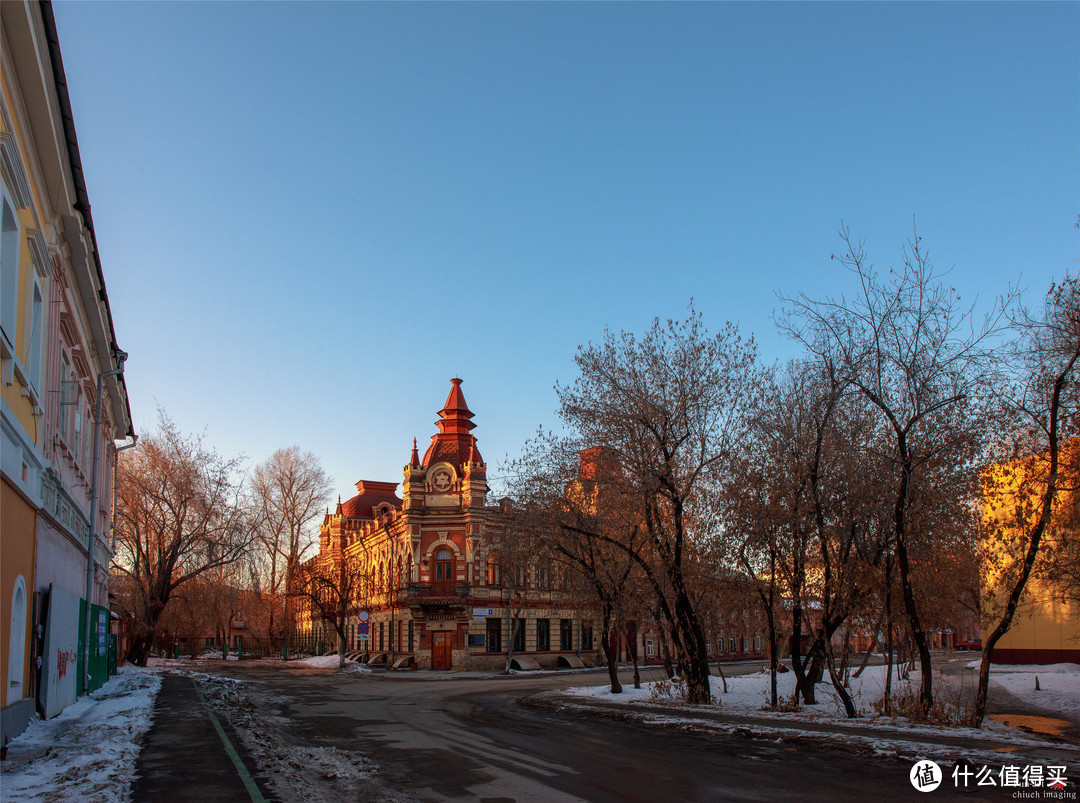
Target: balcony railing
[{"x": 433, "y": 591}]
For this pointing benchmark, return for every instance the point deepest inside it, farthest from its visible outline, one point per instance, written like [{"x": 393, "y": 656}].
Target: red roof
[
  {"x": 453, "y": 443},
  {"x": 372, "y": 494}
]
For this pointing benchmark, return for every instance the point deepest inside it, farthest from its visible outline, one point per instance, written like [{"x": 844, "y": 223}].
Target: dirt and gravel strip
[{"x": 293, "y": 768}]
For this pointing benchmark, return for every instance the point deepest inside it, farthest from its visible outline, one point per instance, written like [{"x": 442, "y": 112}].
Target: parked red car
[{"x": 971, "y": 644}]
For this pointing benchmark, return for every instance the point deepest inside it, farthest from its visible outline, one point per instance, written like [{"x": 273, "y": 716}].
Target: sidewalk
[{"x": 190, "y": 754}]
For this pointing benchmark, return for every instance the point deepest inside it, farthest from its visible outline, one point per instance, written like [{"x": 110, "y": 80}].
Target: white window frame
[
  {"x": 10, "y": 268},
  {"x": 77, "y": 440},
  {"x": 65, "y": 416},
  {"x": 35, "y": 331},
  {"x": 17, "y": 643}
]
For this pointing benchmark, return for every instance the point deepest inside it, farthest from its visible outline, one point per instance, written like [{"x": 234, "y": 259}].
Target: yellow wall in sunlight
[
  {"x": 19, "y": 403},
  {"x": 1046, "y": 628}
]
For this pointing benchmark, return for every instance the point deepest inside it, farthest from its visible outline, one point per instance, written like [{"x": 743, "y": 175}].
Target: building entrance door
[{"x": 441, "y": 646}]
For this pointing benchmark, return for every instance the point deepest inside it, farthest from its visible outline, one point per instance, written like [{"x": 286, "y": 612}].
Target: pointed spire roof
[
  {"x": 455, "y": 414},
  {"x": 414, "y": 460},
  {"x": 454, "y": 442}
]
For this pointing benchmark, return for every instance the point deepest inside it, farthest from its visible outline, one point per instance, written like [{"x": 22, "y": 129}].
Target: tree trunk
[
  {"x": 631, "y": 641},
  {"x": 804, "y": 683},
  {"x": 513, "y": 624},
  {"x": 979, "y": 707},
  {"x": 665, "y": 651},
  {"x": 139, "y": 651},
  {"x": 903, "y": 499},
  {"x": 870, "y": 649},
  {"x": 770, "y": 619},
  {"x": 774, "y": 645},
  {"x": 509, "y": 633},
  {"x": 845, "y": 697},
  {"x": 698, "y": 691},
  {"x": 887, "y": 700},
  {"x": 723, "y": 680},
  {"x": 610, "y": 650},
  {"x": 159, "y": 595},
  {"x": 339, "y": 629}
]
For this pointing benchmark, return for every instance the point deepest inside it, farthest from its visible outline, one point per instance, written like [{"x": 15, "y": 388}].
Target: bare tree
[
  {"x": 757, "y": 551},
  {"x": 796, "y": 501},
  {"x": 290, "y": 489},
  {"x": 513, "y": 547},
  {"x": 331, "y": 587},
  {"x": 907, "y": 346},
  {"x": 207, "y": 604},
  {"x": 670, "y": 408},
  {"x": 1022, "y": 497},
  {"x": 179, "y": 515},
  {"x": 579, "y": 522}
]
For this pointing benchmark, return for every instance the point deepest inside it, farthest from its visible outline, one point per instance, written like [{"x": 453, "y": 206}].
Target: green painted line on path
[{"x": 245, "y": 776}]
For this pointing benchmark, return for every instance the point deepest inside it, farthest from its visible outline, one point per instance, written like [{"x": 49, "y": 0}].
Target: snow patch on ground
[
  {"x": 331, "y": 662},
  {"x": 353, "y": 668},
  {"x": 749, "y": 695},
  {"x": 1059, "y": 685},
  {"x": 88, "y": 751}
]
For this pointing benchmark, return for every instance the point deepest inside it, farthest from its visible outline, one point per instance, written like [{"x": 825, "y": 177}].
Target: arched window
[
  {"x": 444, "y": 566},
  {"x": 17, "y": 644}
]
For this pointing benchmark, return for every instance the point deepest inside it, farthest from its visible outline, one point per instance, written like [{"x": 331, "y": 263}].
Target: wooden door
[{"x": 441, "y": 650}]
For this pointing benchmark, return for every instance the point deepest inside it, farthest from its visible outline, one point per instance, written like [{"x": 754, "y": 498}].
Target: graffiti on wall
[{"x": 59, "y": 677}]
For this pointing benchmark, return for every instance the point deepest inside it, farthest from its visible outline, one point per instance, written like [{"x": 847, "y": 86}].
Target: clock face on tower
[{"x": 441, "y": 480}]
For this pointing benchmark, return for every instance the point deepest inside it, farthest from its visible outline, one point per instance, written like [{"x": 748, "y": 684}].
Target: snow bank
[
  {"x": 750, "y": 693},
  {"x": 1059, "y": 685},
  {"x": 331, "y": 662},
  {"x": 88, "y": 752}
]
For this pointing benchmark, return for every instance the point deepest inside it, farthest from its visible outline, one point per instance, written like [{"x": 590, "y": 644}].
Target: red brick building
[{"x": 425, "y": 575}]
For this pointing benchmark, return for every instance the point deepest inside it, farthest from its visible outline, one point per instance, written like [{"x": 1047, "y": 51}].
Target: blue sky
[{"x": 312, "y": 215}]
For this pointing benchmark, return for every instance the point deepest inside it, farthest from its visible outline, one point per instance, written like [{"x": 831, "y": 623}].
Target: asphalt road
[{"x": 443, "y": 737}]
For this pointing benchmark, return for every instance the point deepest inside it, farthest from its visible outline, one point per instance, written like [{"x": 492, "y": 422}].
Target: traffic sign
[
  {"x": 362, "y": 627},
  {"x": 362, "y": 616}
]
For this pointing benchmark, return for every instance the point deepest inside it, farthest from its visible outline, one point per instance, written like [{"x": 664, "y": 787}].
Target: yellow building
[
  {"x": 57, "y": 347},
  {"x": 1046, "y": 626}
]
